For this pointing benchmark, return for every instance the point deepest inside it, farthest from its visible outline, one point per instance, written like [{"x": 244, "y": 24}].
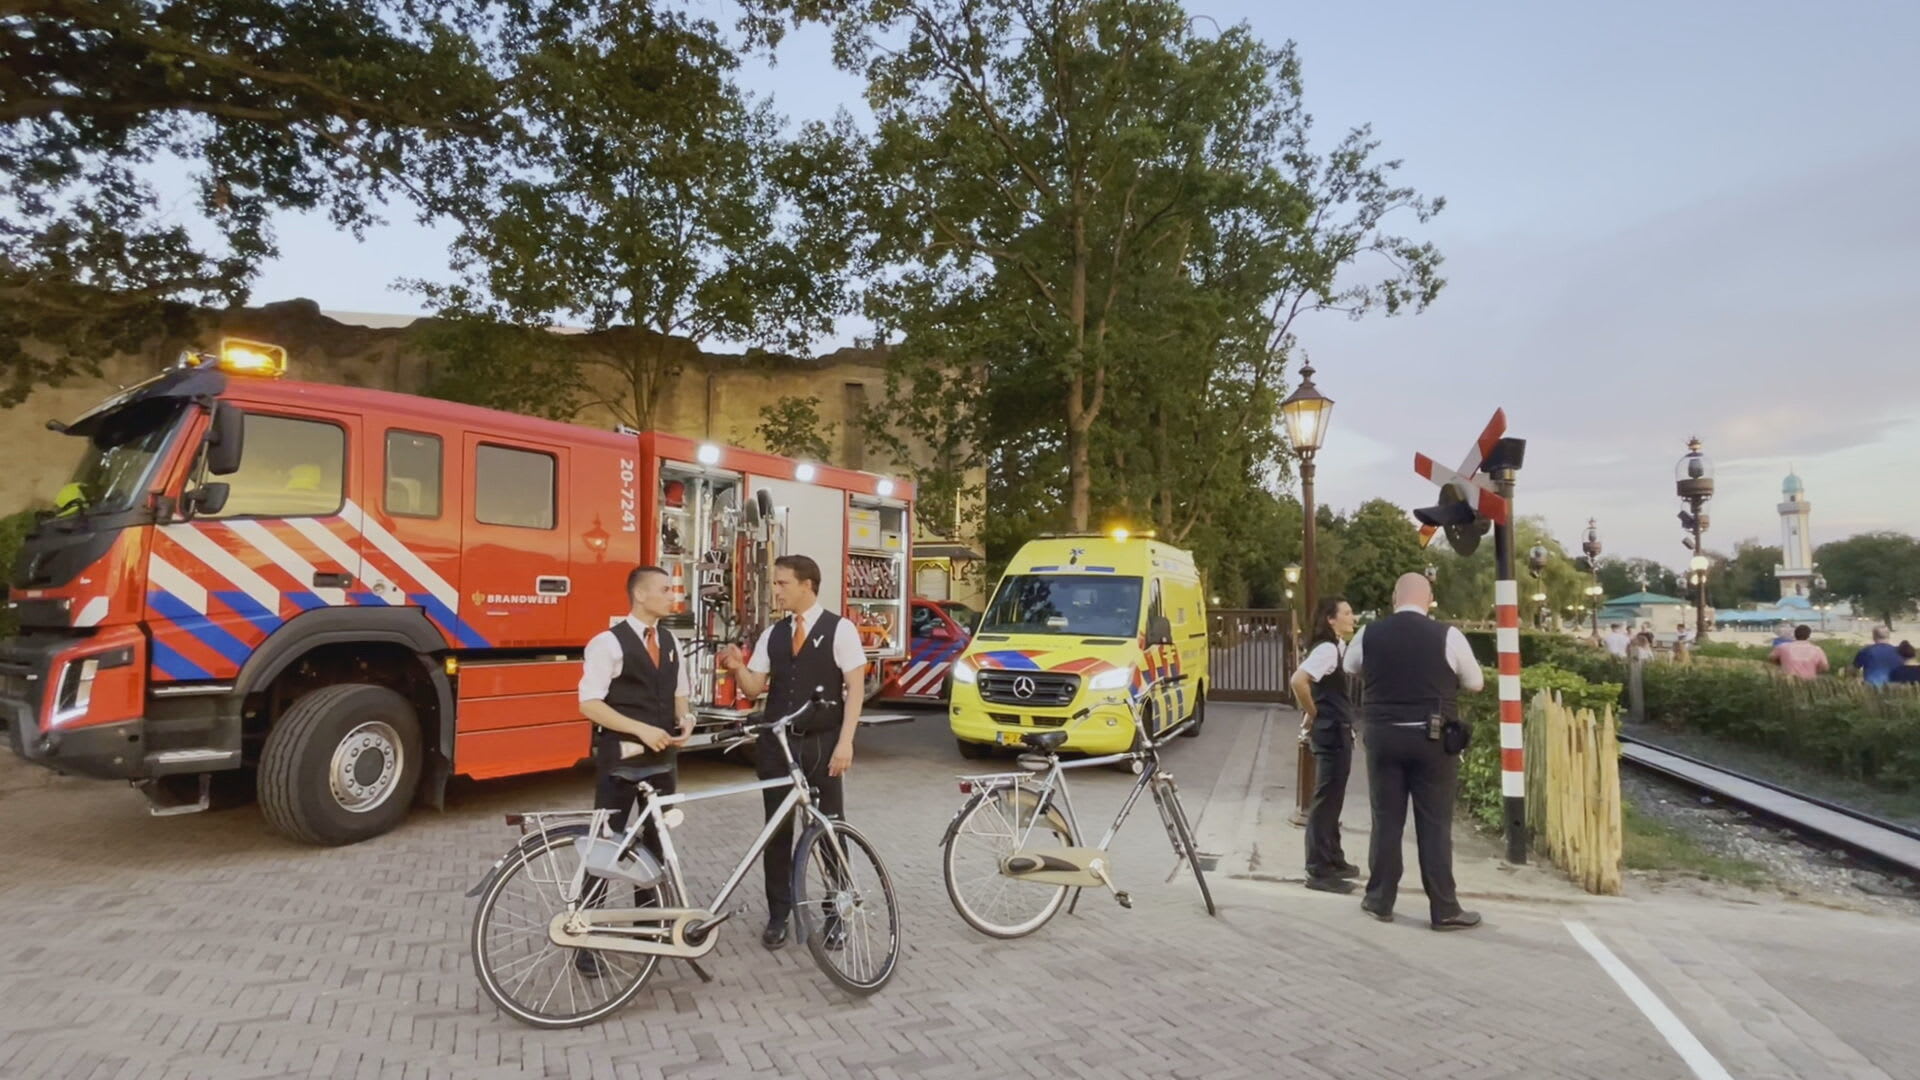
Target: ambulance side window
[
  {"x": 290, "y": 468},
  {"x": 512, "y": 487},
  {"x": 1155, "y": 607},
  {"x": 413, "y": 474}
]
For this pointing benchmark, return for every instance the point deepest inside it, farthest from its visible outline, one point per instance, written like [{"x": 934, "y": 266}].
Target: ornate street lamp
[
  {"x": 1590, "y": 547},
  {"x": 1307, "y": 412},
  {"x": 1693, "y": 482}
]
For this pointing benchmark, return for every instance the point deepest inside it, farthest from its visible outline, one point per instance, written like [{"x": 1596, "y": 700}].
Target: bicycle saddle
[
  {"x": 633, "y": 774},
  {"x": 1044, "y": 741}
]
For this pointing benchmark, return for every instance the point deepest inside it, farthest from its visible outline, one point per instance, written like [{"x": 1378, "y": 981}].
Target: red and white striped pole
[{"x": 1506, "y": 601}]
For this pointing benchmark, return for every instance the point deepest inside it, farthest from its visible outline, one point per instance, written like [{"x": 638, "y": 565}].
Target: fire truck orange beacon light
[{"x": 241, "y": 357}]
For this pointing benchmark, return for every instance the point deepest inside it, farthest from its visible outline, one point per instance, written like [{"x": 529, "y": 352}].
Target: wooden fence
[{"x": 1573, "y": 792}]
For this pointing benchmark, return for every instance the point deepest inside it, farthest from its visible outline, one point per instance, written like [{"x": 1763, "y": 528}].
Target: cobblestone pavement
[{"x": 205, "y": 946}]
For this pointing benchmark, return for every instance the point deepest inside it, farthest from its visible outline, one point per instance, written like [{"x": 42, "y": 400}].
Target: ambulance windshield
[{"x": 1070, "y": 605}]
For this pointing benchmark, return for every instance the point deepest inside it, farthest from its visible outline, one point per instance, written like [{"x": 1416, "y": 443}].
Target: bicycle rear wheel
[
  {"x": 846, "y": 903},
  {"x": 990, "y": 828},
  {"x": 529, "y": 977},
  {"x": 1168, "y": 797}
]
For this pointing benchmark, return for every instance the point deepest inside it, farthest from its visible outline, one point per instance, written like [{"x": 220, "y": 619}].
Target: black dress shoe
[
  {"x": 1465, "y": 920},
  {"x": 587, "y": 963},
  {"x": 834, "y": 935},
  {"x": 1329, "y": 884},
  {"x": 1378, "y": 913},
  {"x": 776, "y": 933},
  {"x": 1346, "y": 870}
]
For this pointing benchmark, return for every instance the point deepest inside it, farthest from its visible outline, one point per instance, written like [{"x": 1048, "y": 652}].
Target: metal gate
[{"x": 1250, "y": 654}]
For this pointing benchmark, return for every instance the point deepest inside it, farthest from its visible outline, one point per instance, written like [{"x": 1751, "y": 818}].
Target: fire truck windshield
[
  {"x": 119, "y": 458},
  {"x": 1077, "y": 605}
]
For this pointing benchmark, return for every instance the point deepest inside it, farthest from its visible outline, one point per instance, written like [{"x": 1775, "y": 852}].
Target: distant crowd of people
[{"x": 1880, "y": 663}]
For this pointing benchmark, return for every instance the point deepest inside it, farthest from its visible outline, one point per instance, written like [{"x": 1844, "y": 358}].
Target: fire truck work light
[
  {"x": 804, "y": 472},
  {"x": 885, "y": 487},
  {"x": 708, "y": 454},
  {"x": 240, "y": 357}
]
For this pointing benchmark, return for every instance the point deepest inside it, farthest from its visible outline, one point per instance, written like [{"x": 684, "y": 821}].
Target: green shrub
[
  {"x": 1728, "y": 650},
  {"x": 1535, "y": 648},
  {"x": 1480, "y": 765}
]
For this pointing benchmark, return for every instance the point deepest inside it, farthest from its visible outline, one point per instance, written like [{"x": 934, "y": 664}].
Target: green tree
[
  {"x": 1746, "y": 576},
  {"x": 640, "y": 188},
  {"x": 306, "y": 105},
  {"x": 1620, "y": 577},
  {"x": 1878, "y": 572},
  {"x": 486, "y": 362},
  {"x": 792, "y": 428},
  {"x": 1121, "y": 217},
  {"x": 1381, "y": 543}
]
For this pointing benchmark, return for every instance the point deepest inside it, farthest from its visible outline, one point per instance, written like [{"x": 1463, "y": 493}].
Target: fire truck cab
[{"x": 351, "y": 595}]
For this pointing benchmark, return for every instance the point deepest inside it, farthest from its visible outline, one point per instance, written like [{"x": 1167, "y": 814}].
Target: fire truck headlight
[
  {"x": 1116, "y": 679},
  {"x": 884, "y": 487},
  {"x": 804, "y": 472},
  {"x": 963, "y": 672},
  {"x": 76, "y": 689},
  {"x": 707, "y": 454}
]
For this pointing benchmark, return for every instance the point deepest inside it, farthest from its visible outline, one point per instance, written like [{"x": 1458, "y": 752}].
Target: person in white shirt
[
  {"x": 635, "y": 689},
  {"x": 811, "y": 651},
  {"x": 1617, "y": 641},
  {"x": 1326, "y": 726}
]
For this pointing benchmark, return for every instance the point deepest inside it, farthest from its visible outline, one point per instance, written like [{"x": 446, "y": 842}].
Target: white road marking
[{"x": 1695, "y": 1054}]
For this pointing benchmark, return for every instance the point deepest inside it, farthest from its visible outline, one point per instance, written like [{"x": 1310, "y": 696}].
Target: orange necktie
[
  {"x": 653, "y": 647},
  {"x": 799, "y": 632}
]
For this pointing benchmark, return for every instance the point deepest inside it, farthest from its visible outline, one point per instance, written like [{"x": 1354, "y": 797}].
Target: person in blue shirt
[
  {"x": 1877, "y": 661},
  {"x": 1908, "y": 673},
  {"x": 1782, "y": 635}
]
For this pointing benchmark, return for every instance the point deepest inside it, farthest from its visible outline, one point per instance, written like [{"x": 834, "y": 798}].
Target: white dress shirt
[
  {"x": 847, "y": 653},
  {"x": 604, "y": 658},
  {"x": 1459, "y": 654},
  {"x": 1321, "y": 661}
]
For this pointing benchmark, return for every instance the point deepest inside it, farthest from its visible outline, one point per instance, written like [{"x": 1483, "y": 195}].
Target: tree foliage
[
  {"x": 1878, "y": 572},
  {"x": 1120, "y": 219},
  {"x": 1380, "y": 543},
  {"x": 641, "y": 187},
  {"x": 1746, "y": 576},
  {"x": 303, "y": 105},
  {"x": 792, "y": 428}
]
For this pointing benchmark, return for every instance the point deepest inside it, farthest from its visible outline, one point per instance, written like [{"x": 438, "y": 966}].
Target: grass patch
[{"x": 1648, "y": 844}]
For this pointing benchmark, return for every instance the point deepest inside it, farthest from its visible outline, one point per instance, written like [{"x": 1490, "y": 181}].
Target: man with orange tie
[{"x": 813, "y": 649}]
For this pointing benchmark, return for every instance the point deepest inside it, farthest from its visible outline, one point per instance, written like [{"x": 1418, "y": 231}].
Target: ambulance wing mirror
[
  {"x": 1159, "y": 630},
  {"x": 225, "y": 438}
]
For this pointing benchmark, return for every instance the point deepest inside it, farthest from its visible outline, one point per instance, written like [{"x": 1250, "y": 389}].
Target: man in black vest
[
  {"x": 812, "y": 649},
  {"x": 1412, "y": 669},
  {"x": 634, "y": 689}
]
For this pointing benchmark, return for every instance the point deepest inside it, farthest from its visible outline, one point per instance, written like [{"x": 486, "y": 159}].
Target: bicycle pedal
[{"x": 1125, "y": 900}]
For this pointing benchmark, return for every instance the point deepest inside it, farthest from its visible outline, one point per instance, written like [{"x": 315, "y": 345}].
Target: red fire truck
[{"x": 351, "y": 595}]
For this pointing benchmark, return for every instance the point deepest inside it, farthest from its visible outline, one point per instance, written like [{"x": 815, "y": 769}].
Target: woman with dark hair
[
  {"x": 1320, "y": 688},
  {"x": 1909, "y": 669}
]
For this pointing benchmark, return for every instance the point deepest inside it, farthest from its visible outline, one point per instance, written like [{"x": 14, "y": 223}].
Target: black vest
[
  {"x": 792, "y": 679},
  {"x": 1404, "y": 669},
  {"x": 1331, "y": 707},
  {"x": 642, "y": 691}
]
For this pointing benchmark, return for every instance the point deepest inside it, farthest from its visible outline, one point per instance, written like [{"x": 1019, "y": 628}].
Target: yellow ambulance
[{"x": 1084, "y": 633}]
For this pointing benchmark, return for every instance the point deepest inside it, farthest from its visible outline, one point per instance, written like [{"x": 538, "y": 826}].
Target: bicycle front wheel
[
  {"x": 529, "y": 977},
  {"x": 995, "y": 825},
  {"x": 846, "y": 904},
  {"x": 1183, "y": 839}
]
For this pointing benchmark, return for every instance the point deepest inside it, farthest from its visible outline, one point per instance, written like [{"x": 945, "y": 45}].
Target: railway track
[{"x": 1886, "y": 844}]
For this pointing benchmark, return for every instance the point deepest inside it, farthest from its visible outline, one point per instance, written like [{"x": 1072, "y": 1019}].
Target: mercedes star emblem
[{"x": 1023, "y": 687}]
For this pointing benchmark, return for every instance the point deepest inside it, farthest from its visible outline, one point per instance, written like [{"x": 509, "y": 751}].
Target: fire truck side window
[
  {"x": 512, "y": 487},
  {"x": 413, "y": 474},
  {"x": 290, "y": 468}
]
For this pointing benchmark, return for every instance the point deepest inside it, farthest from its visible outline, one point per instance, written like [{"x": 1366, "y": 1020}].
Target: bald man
[{"x": 1412, "y": 668}]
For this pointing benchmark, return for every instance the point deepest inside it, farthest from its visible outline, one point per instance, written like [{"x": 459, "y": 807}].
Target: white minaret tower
[{"x": 1796, "y": 540}]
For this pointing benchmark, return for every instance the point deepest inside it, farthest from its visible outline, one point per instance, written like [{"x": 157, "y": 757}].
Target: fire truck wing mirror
[
  {"x": 208, "y": 498},
  {"x": 225, "y": 439}
]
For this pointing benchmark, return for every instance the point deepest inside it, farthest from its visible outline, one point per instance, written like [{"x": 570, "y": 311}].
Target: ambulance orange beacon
[{"x": 341, "y": 597}]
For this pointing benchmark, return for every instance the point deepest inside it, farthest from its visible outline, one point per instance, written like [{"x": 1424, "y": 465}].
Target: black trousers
[
  {"x": 1403, "y": 764},
  {"x": 1332, "y": 761},
  {"x": 813, "y": 753},
  {"x": 612, "y": 793}
]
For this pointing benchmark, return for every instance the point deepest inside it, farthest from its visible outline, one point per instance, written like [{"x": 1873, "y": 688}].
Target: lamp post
[
  {"x": 1590, "y": 547},
  {"x": 1693, "y": 482},
  {"x": 1306, "y": 412}
]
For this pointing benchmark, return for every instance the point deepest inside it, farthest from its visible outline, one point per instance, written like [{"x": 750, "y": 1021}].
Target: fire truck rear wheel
[{"x": 340, "y": 766}]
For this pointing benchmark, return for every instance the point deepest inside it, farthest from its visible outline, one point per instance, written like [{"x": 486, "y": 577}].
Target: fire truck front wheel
[{"x": 340, "y": 766}]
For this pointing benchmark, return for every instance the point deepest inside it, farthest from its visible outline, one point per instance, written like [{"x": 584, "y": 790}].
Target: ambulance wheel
[
  {"x": 1199, "y": 714},
  {"x": 340, "y": 766},
  {"x": 973, "y": 751}
]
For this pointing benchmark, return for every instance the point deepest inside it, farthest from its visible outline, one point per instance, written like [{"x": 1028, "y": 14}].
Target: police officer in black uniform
[
  {"x": 1320, "y": 688},
  {"x": 1413, "y": 669},
  {"x": 812, "y": 649}
]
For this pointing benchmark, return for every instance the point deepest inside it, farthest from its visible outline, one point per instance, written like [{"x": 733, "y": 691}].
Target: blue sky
[{"x": 1662, "y": 219}]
